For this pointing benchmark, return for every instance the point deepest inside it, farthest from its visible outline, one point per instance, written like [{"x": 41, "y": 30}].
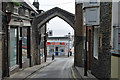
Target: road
[{"x": 60, "y": 69}]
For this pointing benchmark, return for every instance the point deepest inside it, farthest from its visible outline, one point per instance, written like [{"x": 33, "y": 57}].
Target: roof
[
  {"x": 25, "y": 3},
  {"x": 58, "y": 38},
  {"x": 28, "y": 5}
]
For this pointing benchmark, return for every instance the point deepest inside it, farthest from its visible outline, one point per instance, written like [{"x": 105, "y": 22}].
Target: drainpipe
[
  {"x": 20, "y": 45},
  {"x": 68, "y": 43},
  {"x": 85, "y": 60}
]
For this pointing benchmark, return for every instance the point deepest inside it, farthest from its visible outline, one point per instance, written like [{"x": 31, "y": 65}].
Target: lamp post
[{"x": 68, "y": 42}]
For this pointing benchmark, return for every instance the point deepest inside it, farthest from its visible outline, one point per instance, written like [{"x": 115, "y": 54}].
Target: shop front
[
  {"x": 19, "y": 44},
  {"x": 13, "y": 42},
  {"x": 56, "y": 48}
]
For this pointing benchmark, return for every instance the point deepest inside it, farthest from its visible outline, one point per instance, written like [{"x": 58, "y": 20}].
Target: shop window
[
  {"x": 13, "y": 46},
  {"x": 62, "y": 50},
  {"x": 24, "y": 44},
  {"x": 116, "y": 40},
  {"x": 51, "y": 50}
]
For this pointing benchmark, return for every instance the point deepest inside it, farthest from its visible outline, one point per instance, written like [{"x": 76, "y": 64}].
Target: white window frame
[{"x": 96, "y": 42}]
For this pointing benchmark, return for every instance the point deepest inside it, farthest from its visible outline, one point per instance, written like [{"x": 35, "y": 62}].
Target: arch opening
[
  {"x": 59, "y": 27},
  {"x": 43, "y": 23}
]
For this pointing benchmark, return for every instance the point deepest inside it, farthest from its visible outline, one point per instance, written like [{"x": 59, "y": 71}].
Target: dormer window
[
  {"x": 9, "y": 7},
  {"x": 15, "y": 10},
  {"x": 27, "y": 13}
]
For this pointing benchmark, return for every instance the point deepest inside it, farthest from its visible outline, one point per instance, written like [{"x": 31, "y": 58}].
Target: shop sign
[
  {"x": 92, "y": 16},
  {"x": 53, "y": 43}
]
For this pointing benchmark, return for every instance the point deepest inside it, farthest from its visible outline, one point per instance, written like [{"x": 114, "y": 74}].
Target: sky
[{"x": 59, "y": 26}]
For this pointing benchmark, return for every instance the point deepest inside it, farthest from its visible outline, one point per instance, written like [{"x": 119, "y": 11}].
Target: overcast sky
[{"x": 56, "y": 24}]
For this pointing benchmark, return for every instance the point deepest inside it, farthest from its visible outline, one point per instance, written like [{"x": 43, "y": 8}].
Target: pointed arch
[
  {"x": 42, "y": 19},
  {"x": 50, "y": 14}
]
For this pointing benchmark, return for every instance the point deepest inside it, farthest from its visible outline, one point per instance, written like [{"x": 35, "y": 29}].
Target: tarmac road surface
[{"x": 60, "y": 69}]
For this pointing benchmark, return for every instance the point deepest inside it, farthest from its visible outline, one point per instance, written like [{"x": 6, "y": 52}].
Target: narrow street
[
  {"x": 59, "y": 39},
  {"x": 59, "y": 69}
]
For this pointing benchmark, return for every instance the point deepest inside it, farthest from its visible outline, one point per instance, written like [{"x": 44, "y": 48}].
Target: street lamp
[{"x": 68, "y": 42}]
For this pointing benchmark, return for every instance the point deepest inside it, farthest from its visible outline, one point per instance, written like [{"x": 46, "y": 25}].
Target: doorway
[
  {"x": 56, "y": 51},
  {"x": 89, "y": 48}
]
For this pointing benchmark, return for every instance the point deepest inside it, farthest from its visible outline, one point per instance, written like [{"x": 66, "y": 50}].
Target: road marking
[{"x": 73, "y": 74}]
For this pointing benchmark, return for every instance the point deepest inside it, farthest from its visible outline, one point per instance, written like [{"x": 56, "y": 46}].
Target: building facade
[
  {"x": 16, "y": 41},
  {"x": 97, "y": 21},
  {"x": 115, "y": 39},
  {"x": 59, "y": 46}
]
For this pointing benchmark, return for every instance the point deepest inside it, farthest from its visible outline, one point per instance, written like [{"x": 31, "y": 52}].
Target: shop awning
[{"x": 14, "y": 22}]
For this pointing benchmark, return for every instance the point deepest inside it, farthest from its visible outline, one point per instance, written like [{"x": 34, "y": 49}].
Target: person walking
[{"x": 53, "y": 56}]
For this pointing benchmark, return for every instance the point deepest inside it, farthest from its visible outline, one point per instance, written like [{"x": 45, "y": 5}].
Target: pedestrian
[
  {"x": 70, "y": 53},
  {"x": 53, "y": 56}
]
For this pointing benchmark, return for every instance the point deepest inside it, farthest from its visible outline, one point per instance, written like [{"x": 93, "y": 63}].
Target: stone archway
[
  {"x": 48, "y": 15},
  {"x": 42, "y": 19}
]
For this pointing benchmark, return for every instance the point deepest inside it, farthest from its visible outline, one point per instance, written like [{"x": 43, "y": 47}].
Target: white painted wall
[{"x": 115, "y": 19}]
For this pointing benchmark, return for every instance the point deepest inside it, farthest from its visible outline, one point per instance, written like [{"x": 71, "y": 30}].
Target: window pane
[
  {"x": 96, "y": 38},
  {"x": 13, "y": 46},
  {"x": 24, "y": 44}
]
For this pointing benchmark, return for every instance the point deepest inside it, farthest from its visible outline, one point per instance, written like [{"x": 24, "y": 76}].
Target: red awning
[
  {"x": 58, "y": 43},
  {"x": 48, "y": 43}
]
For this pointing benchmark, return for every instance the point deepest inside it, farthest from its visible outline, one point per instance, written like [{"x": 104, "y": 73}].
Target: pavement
[
  {"x": 78, "y": 74},
  {"x": 25, "y": 73}
]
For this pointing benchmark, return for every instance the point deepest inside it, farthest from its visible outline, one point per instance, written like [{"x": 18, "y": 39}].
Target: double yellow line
[{"x": 73, "y": 74}]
